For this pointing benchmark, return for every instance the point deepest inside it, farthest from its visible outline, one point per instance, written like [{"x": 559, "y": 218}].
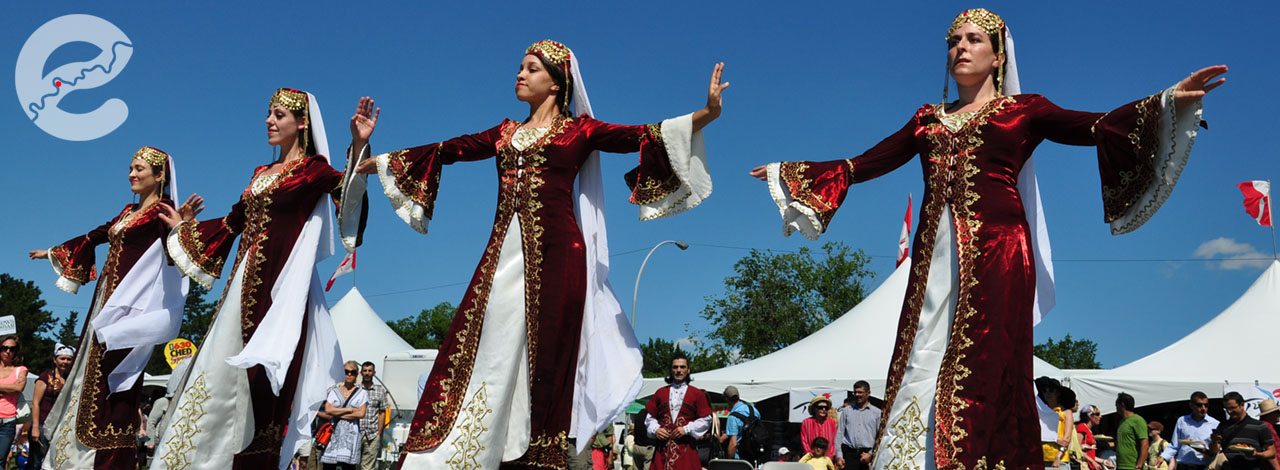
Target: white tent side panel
[
  {"x": 362, "y": 334},
  {"x": 1189, "y": 364}
]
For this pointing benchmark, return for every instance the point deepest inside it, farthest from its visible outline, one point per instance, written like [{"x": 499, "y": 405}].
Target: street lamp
[{"x": 635, "y": 294}]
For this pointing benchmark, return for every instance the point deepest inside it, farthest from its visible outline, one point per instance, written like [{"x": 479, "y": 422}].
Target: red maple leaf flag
[
  {"x": 1257, "y": 200},
  {"x": 347, "y": 265},
  {"x": 904, "y": 242}
]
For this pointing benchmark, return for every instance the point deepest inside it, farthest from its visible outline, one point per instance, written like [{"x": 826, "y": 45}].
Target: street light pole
[{"x": 636, "y": 293}]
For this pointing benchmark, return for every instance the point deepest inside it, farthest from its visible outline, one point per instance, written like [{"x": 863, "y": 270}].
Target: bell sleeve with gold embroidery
[
  {"x": 74, "y": 262},
  {"x": 672, "y": 175},
  {"x": 809, "y": 193},
  {"x": 411, "y": 177},
  {"x": 199, "y": 249},
  {"x": 1142, "y": 149}
]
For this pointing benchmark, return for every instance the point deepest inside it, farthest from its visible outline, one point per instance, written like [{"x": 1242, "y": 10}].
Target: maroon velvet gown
[
  {"x": 985, "y": 409},
  {"x": 538, "y": 193},
  {"x": 268, "y": 224},
  {"x": 677, "y": 454},
  {"x": 104, "y": 422}
]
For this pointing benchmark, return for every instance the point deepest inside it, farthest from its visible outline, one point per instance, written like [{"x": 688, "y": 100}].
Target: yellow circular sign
[{"x": 178, "y": 350}]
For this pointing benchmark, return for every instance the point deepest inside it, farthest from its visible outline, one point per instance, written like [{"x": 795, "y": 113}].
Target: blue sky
[{"x": 810, "y": 80}]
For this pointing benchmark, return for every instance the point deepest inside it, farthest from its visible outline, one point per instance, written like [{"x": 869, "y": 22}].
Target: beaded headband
[
  {"x": 554, "y": 52},
  {"x": 153, "y": 156},
  {"x": 290, "y": 99},
  {"x": 984, "y": 19},
  {"x": 296, "y": 101}
]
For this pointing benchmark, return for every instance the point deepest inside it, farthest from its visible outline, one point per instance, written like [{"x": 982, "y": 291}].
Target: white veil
[{"x": 609, "y": 360}]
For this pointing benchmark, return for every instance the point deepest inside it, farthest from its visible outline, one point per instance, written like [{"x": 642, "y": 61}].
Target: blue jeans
[{"x": 6, "y": 439}]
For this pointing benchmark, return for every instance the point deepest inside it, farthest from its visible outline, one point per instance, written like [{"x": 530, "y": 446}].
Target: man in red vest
[{"x": 678, "y": 415}]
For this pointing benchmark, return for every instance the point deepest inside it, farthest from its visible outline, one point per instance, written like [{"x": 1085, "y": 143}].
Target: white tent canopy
[
  {"x": 1173, "y": 373},
  {"x": 362, "y": 334},
  {"x": 856, "y": 346}
]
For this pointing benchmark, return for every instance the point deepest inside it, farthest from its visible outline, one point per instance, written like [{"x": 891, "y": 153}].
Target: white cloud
[{"x": 1234, "y": 255}]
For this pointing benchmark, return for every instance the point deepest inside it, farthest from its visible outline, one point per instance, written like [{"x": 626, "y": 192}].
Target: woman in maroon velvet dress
[
  {"x": 281, "y": 216},
  {"x": 502, "y": 391},
  {"x": 959, "y": 393},
  {"x": 89, "y": 426}
]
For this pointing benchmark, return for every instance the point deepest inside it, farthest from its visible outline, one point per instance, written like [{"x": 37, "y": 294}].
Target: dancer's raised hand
[
  {"x": 704, "y": 116},
  {"x": 1198, "y": 84},
  {"x": 761, "y": 172},
  {"x": 185, "y": 213},
  {"x": 363, "y": 122}
]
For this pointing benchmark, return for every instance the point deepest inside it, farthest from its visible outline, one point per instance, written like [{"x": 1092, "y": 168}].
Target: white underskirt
[
  {"x": 907, "y": 442},
  {"x": 493, "y": 423},
  {"x": 211, "y": 418},
  {"x": 65, "y": 449}
]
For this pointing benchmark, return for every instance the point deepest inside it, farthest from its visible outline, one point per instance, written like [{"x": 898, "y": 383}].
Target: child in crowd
[{"x": 817, "y": 456}]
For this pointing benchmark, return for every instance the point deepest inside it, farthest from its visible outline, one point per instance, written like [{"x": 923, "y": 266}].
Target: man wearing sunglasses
[{"x": 1198, "y": 427}]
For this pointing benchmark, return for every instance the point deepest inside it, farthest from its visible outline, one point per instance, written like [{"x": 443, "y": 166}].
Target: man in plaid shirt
[{"x": 371, "y": 423}]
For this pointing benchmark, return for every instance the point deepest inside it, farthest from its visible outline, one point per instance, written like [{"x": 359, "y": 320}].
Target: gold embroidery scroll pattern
[
  {"x": 60, "y": 457},
  {"x": 258, "y": 201},
  {"x": 953, "y": 371},
  {"x": 91, "y": 389},
  {"x": 526, "y": 166},
  {"x": 189, "y": 238},
  {"x": 908, "y": 432},
  {"x": 179, "y": 437},
  {"x": 928, "y": 231},
  {"x": 445, "y": 408},
  {"x": 418, "y": 192},
  {"x": 79, "y": 273},
  {"x": 792, "y": 174},
  {"x": 470, "y": 429},
  {"x": 1118, "y": 200},
  {"x": 649, "y": 190},
  {"x": 547, "y": 451}
]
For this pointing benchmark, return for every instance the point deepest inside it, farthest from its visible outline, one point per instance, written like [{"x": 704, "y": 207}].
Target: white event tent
[
  {"x": 1196, "y": 362},
  {"x": 362, "y": 334},
  {"x": 856, "y": 346}
]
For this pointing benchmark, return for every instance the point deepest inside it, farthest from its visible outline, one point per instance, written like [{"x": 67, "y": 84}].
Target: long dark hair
[{"x": 566, "y": 87}]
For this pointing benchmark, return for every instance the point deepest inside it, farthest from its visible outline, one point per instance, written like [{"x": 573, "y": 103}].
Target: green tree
[
  {"x": 197, "y": 316},
  {"x": 775, "y": 299},
  {"x": 657, "y": 355},
  {"x": 1069, "y": 353},
  {"x": 22, "y": 300},
  {"x": 427, "y": 329},
  {"x": 68, "y": 333}
]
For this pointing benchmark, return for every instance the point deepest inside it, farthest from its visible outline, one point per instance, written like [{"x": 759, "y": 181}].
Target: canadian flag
[
  {"x": 1257, "y": 200},
  {"x": 904, "y": 241},
  {"x": 347, "y": 265}
]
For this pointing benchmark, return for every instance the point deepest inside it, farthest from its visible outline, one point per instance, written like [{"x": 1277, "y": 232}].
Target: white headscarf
[
  {"x": 609, "y": 360},
  {"x": 1029, "y": 189}
]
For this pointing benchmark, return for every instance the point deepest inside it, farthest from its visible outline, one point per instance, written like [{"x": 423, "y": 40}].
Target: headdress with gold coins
[
  {"x": 158, "y": 158},
  {"x": 559, "y": 55},
  {"x": 989, "y": 23},
  {"x": 296, "y": 101}
]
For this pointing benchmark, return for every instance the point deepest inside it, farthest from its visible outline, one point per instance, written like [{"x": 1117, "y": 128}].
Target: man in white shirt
[
  {"x": 675, "y": 425},
  {"x": 1197, "y": 426}
]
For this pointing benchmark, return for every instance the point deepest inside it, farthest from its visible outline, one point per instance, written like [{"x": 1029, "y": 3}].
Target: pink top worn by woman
[{"x": 9, "y": 401}]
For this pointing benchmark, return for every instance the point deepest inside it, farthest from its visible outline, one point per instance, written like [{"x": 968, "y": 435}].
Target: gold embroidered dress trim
[
  {"x": 1117, "y": 200},
  {"x": 179, "y": 435},
  {"x": 950, "y": 167}
]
